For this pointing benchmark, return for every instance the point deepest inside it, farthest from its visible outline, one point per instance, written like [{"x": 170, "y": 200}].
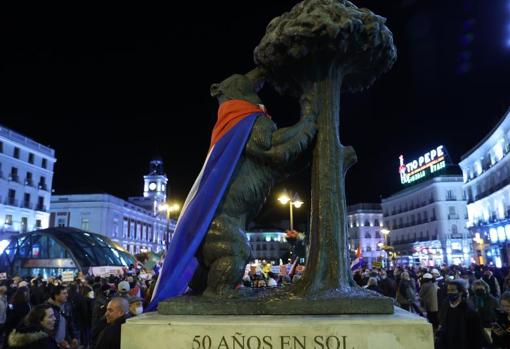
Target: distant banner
[
  {"x": 67, "y": 276},
  {"x": 107, "y": 271}
]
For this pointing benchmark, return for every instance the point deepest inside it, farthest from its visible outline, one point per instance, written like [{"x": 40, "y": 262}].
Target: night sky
[{"x": 110, "y": 89}]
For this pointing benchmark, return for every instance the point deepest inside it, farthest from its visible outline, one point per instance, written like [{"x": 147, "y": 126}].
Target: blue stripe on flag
[{"x": 194, "y": 222}]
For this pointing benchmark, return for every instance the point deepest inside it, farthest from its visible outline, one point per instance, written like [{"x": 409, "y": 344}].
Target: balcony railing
[
  {"x": 453, "y": 216},
  {"x": 13, "y": 177},
  {"x": 27, "y": 204},
  {"x": 29, "y": 182},
  {"x": 42, "y": 186}
]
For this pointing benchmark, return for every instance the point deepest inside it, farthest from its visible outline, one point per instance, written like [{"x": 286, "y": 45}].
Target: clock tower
[{"x": 154, "y": 188}]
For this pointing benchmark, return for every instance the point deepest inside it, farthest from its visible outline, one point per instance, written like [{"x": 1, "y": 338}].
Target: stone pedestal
[{"x": 401, "y": 330}]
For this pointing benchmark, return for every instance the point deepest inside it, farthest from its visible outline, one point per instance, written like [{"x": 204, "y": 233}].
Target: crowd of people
[
  {"x": 85, "y": 313},
  {"x": 467, "y": 307}
]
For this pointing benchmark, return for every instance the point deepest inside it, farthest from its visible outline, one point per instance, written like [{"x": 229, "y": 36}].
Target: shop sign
[{"x": 426, "y": 164}]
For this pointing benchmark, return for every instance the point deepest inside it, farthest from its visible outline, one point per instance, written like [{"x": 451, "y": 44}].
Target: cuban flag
[
  {"x": 230, "y": 134},
  {"x": 357, "y": 263}
]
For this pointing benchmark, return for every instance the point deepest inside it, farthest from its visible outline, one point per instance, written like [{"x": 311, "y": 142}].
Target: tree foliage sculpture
[{"x": 315, "y": 51}]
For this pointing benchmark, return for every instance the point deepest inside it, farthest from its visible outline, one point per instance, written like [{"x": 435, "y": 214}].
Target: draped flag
[
  {"x": 230, "y": 134},
  {"x": 357, "y": 263}
]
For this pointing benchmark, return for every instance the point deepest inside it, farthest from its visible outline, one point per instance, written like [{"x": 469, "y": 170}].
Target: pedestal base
[
  {"x": 348, "y": 300},
  {"x": 401, "y": 330}
]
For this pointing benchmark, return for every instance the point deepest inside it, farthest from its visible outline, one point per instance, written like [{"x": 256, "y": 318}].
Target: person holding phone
[{"x": 501, "y": 328}]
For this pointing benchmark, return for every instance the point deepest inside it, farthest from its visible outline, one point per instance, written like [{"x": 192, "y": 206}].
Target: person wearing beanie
[{"x": 428, "y": 298}]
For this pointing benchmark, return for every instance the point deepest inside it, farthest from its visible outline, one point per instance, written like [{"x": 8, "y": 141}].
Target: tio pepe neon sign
[{"x": 426, "y": 164}]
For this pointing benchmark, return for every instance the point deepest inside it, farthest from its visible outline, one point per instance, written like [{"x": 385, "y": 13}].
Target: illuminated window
[
  {"x": 501, "y": 234},
  {"x": 85, "y": 224},
  {"x": 493, "y": 234}
]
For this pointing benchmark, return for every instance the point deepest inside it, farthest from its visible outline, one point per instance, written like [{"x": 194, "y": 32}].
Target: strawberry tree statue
[{"x": 315, "y": 51}]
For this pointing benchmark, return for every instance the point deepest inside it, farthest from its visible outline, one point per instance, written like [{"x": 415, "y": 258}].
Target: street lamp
[
  {"x": 168, "y": 208},
  {"x": 385, "y": 232},
  {"x": 285, "y": 198}
]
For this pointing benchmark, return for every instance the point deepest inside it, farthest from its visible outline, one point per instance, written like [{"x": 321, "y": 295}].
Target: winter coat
[
  {"x": 428, "y": 296},
  {"x": 110, "y": 336},
  {"x": 486, "y": 307},
  {"x": 30, "y": 338},
  {"x": 15, "y": 315},
  {"x": 388, "y": 287},
  {"x": 460, "y": 327},
  {"x": 406, "y": 293},
  {"x": 494, "y": 285}
]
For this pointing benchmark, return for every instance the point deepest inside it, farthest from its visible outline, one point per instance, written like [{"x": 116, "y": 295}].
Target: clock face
[{"x": 152, "y": 186}]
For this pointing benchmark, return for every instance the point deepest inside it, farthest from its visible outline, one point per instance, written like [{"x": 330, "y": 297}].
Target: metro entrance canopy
[{"x": 51, "y": 251}]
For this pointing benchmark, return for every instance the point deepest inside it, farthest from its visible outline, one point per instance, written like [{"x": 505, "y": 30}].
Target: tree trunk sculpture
[{"x": 315, "y": 51}]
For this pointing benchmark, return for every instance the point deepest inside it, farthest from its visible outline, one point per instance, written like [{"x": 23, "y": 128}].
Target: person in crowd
[
  {"x": 271, "y": 280},
  {"x": 501, "y": 327},
  {"x": 441, "y": 285},
  {"x": 428, "y": 297},
  {"x": 35, "y": 330},
  {"x": 372, "y": 285},
  {"x": 17, "y": 310},
  {"x": 506, "y": 282},
  {"x": 83, "y": 305},
  {"x": 64, "y": 332},
  {"x": 36, "y": 291},
  {"x": 387, "y": 285},
  {"x": 485, "y": 305},
  {"x": 3, "y": 309},
  {"x": 135, "y": 306},
  {"x": 459, "y": 323},
  {"x": 493, "y": 283},
  {"x": 134, "y": 288},
  {"x": 116, "y": 314},
  {"x": 406, "y": 293},
  {"x": 123, "y": 289}
]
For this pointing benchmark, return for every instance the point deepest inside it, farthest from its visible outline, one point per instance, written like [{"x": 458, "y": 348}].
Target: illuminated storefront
[{"x": 486, "y": 170}]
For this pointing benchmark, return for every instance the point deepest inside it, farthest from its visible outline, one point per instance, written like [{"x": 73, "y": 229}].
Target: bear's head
[{"x": 240, "y": 86}]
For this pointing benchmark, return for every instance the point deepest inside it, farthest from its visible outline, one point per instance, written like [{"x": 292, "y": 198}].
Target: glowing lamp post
[
  {"x": 296, "y": 202},
  {"x": 168, "y": 209},
  {"x": 385, "y": 246}
]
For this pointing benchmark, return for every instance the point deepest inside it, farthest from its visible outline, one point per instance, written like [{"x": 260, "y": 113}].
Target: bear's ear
[{"x": 215, "y": 90}]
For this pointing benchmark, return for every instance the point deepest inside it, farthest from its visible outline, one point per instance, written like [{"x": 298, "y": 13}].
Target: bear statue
[{"x": 268, "y": 155}]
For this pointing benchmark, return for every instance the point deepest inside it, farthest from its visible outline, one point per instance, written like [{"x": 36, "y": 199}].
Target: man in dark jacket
[
  {"x": 493, "y": 283},
  {"x": 64, "y": 328},
  {"x": 387, "y": 285},
  {"x": 116, "y": 314},
  {"x": 459, "y": 324}
]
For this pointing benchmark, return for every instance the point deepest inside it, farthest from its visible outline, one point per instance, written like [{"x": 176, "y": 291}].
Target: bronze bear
[{"x": 269, "y": 151}]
